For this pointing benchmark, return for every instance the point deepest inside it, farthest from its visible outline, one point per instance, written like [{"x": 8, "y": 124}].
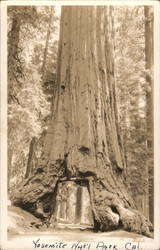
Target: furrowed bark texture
[{"x": 84, "y": 139}]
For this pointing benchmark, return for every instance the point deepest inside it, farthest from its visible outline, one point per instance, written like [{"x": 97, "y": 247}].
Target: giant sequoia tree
[{"x": 84, "y": 137}]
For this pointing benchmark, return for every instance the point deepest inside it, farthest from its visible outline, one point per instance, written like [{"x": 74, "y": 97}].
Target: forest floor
[{"x": 22, "y": 227}]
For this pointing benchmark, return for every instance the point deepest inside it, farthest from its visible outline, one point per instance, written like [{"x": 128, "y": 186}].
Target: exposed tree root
[
  {"x": 36, "y": 193},
  {"x": 134, "y": 221}
]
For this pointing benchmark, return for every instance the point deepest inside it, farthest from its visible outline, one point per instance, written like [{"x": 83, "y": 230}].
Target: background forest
[{"x": 32, "y": 54}]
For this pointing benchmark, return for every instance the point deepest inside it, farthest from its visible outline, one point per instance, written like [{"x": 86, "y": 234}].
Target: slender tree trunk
[
  {"x": 141, "y": 198},
  {"x": 30, "y": 166},
  {"x": 149, "y": 102},
  {"x": 84, "y": 140},
  {"x": 13, "y": 42},
  {"x": 47, "y": 43},
  {"x": 13, "y": 50},
  {"x": 10, "y": 155}
]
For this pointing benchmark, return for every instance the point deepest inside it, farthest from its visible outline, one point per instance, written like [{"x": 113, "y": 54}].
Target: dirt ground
[{"x": 23, "y": 231}]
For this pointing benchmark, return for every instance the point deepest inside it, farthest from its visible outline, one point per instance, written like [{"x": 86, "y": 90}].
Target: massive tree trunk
[
  {"x": 84, "y": 138},
  {"x": 149, "y": 102}
]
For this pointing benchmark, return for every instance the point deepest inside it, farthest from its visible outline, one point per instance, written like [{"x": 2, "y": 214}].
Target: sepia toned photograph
[{"x": 80, "y": 168}]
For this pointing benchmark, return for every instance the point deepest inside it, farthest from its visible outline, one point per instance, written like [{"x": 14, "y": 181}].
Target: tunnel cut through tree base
[{"x": 72, "y": 208}]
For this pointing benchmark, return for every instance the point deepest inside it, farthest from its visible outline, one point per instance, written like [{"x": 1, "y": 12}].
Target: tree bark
[
  {"x": 10, "y": 155},
  {"x": 47, "y": 43},
  {"x": 149, "y": 102},
  {"x": 83, "y": 140},
  {"x": 30, "y": 166},
  {"x": 13, "y": 42},
  {"x": 13, "y": 51}
]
